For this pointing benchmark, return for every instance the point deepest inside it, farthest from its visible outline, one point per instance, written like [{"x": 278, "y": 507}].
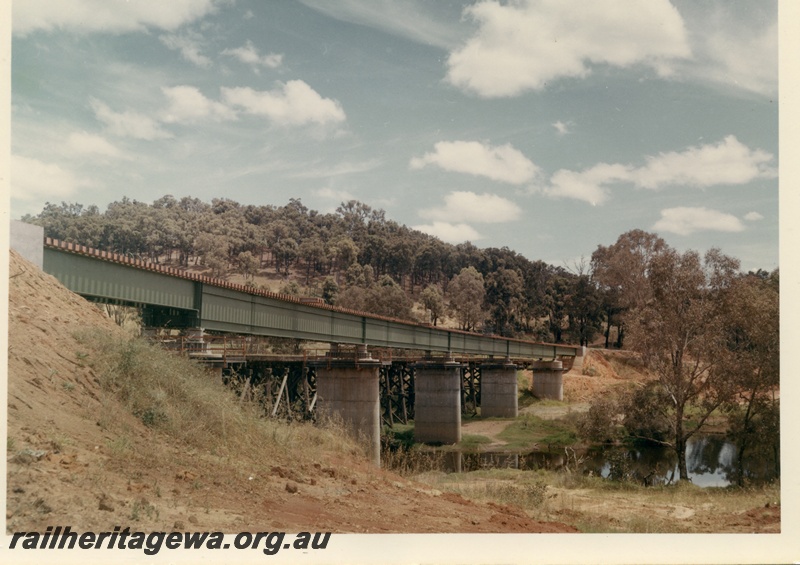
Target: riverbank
[
  {"x": 595, "y": 505},
  {"x": 538, "y": 463}
]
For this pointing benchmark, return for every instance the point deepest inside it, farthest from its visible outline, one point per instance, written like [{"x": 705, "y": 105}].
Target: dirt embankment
[
  {"x": 64, "y": 463},
  {"x": 602, "y": 370}
]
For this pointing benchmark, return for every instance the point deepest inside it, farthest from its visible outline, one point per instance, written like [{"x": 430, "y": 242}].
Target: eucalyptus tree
[
  {"x": 622, "y": 271},
  {"x": 504, "y": 301},
  {"x": 330, "y": 290},
  {"x": 342, "y": 252},
  {"x": 387, "y": 298},
  {"x": 383, "y": 297},
  {"x": 752, "y": 314},
  {"x": 680, "y": 334},
  {"x": 584, "y": 309},
  {"x": 312, "y": 252},
  {"x": 433, "y": 301},
  {"x": 467, "y": 293},
  {"x": 535, "y": 278},
  {"x": 355, "y": 217},
  {"x": 460, "y": 257},
  {"x": 285, "y": 251},
  {"x": 401, "y": 256},
  {"x": 428, "y": 261},
  {"x": 247, "y": 264},
  {"x": 131, "y": 226}
]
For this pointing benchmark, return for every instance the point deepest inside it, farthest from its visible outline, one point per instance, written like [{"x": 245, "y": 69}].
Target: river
[{"x": 711, "y": 461}]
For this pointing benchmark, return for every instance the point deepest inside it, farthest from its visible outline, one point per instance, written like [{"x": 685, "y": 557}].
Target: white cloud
[
  {"x": 728, "y": 162},
  {"x": 339, "y": 169},
  {"x": 293, "y": 103},
  {"x": 450, "y": 233},
  {"x": 503, "y": 163},
  {"x": 188, "y": 104},
  {"x": 687, "y": 220},
  {"x": 329, "y": 193},
  {"x": 525, "y": 45},
  {"x": 129, "y": 124},
  {"x": 249, "y": 55},
  {"x": 111, "y": 16},
  {"x": 753, "y": 217},
  {"x": 589, "y": 185},
  {"x": 563, "y": 128},
  {"x": 470, "y": 207},
  {"x": 743, "y": 58},
  {"x": 32, "y": 179},
  {"x": 411, "y": 19},
  {"x": 189, "y": 48},
  {"x": 735, "y": 45},
  {"x": 83, "y": 143}
]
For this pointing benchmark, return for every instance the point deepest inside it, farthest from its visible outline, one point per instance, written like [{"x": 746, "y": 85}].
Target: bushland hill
[{"x": 355, "y": 258}]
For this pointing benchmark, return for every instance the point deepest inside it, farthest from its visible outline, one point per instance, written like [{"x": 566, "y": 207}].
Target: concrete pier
[
  {"x": 548, "y": 379},
  {"x": 437, "y": 401},
  {"x": 499, "y": 390},
  {"x": 348, "y": 390}
]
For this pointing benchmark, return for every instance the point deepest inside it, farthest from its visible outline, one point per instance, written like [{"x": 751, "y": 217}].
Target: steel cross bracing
[{"x": 175, "y": 298}]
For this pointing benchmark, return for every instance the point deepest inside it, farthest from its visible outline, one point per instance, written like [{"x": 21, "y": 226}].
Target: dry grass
[
  {"x": 177, "y": 397},
  {"x": 596, "y": 505},
  {"x": 507, "y": 486},
  {"x": 412, "y": 461}
]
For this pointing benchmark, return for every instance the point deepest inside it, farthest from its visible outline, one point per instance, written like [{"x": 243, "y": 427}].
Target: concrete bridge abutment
[
  {"x": 348, "y": 391},
  {"x": 437, "y": 401},
  {"x": 548, "y": 379},
  {"x": 499, "y": 390}
]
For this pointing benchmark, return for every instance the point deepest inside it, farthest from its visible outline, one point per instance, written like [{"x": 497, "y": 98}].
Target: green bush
[{"x": 599, "y": 424}]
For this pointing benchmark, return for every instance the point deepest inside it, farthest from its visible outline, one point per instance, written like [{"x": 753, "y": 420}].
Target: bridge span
[
  {"x": 175, "y": 298},
  {"x": 347, "y": 379}
]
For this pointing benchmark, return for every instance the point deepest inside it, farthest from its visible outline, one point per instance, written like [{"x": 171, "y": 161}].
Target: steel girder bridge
[{"x": 177, "y": 299}]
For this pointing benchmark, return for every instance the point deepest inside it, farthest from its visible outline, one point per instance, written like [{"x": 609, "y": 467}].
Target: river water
[{"x": 711, "y": 461}]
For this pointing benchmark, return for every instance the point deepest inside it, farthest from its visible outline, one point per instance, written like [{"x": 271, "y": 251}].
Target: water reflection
[{"x": 711, "y": 461}]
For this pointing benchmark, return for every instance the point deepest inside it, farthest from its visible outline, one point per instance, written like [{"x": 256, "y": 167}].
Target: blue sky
[{"x": 545, "y": 126}]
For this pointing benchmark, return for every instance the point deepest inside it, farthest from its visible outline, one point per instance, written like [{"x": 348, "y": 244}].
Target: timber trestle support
[{"x": 397, "y": 393}]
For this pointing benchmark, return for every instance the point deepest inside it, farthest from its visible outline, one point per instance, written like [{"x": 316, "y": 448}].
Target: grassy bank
[
  {"x": 596, "y": 505},
  {"x": 181, "y": 400},
  {"x": 528, "y": 432}
]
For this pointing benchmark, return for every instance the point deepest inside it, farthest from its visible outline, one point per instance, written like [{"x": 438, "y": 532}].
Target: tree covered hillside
[{"x": 357, "y": 258}]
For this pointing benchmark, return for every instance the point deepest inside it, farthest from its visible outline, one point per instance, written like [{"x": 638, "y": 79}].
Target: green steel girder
[
  {"x": 113, "y": 282},
  {"x": 219, "y": 306}
]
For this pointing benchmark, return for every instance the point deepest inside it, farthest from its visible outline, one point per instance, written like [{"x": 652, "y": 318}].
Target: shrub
[
  {"x": 598, "y": 424},
  {"x": 645, "y": 414}
]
